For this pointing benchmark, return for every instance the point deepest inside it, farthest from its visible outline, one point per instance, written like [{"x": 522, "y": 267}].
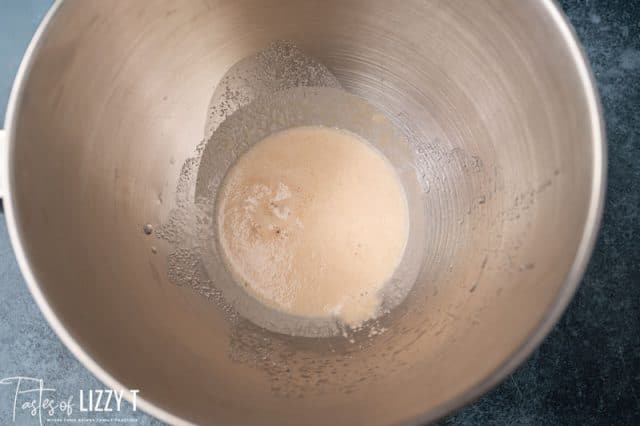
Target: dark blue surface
[{"x": 586, "y": 372}]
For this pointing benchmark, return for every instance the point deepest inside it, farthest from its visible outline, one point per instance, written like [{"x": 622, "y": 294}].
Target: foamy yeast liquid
[{"x": 313, "y": 221}]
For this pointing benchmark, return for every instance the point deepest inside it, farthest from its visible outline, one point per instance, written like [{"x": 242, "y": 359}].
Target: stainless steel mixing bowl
[{"x": 112, "y": 98}]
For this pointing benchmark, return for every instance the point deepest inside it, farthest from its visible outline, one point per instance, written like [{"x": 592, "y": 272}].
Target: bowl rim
[{"x": 499, "y": 374}]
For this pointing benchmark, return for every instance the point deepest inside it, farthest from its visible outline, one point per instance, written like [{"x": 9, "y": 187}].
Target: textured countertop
[{"x": 586, "y": 372}]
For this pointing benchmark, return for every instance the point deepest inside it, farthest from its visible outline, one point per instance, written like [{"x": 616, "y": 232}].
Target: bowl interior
[{"x": 493, "y": 94}]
